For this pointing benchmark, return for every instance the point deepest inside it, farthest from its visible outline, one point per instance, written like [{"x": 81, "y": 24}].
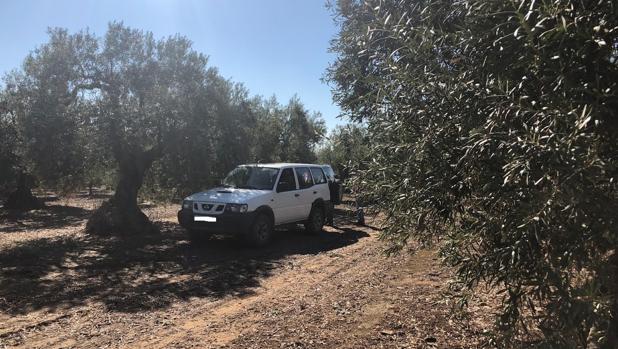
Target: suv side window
[
  {"x": 330, "y": 175},
  {"x": 286, "y": 181},
  {"x": 304, "y": 177},
  {"x": 318, "y": 175}
]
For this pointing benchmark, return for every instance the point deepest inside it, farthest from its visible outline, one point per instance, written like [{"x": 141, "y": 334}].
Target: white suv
[{"x": 253, "y": 199}]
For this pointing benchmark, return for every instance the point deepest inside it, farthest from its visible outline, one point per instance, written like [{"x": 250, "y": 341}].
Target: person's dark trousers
[{"x": 329, "y": 214}]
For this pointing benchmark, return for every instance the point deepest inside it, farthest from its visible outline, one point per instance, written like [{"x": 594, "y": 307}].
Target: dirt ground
[{"x": 60, "y": 288}]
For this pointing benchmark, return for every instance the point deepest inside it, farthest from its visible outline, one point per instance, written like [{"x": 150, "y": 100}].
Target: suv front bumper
[{"x": 229, "y": 223}]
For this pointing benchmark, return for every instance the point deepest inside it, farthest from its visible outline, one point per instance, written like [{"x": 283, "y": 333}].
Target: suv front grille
[{"x": 208, "y": 207}]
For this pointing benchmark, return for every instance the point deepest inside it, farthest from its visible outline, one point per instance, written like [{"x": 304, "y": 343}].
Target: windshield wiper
[{"x": 246, "y": 187}]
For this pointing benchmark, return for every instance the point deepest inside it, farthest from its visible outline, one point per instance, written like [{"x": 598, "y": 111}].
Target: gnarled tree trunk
[
  {"x": 120, "y": 214},
  {"x": 22, "y": 198}
]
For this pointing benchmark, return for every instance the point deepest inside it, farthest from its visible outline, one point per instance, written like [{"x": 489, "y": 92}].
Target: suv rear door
[
  {"x": 320, "y": 186},
  {"x": 305, "y": 184}
]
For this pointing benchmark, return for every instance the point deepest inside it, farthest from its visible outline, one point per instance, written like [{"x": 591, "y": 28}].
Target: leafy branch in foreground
[{"x": 493, "y": 128}]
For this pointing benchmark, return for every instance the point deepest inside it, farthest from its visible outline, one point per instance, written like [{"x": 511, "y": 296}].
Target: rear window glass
[
  {"x": 304, "y": 177},
  {"x": 318, "y": 175},
  {"x": 330, "y": 175}
]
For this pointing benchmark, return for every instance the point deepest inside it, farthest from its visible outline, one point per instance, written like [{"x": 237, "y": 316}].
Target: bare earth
[{"x": 60, "y": 288}]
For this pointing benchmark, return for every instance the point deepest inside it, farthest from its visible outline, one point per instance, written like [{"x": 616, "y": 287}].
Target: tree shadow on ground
[
  {"x": 48, "y": 217},
  {"x": 345, "y": 216},
  {"x": 145, "y": 272}
]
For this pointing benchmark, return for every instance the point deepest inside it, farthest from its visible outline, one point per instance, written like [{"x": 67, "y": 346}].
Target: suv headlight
[
  {"x": 238, "y": 208},
  {"x": 187, "y": 204}
]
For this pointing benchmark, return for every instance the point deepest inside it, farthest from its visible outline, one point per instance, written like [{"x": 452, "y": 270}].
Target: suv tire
[
  {"x": 315, "y": 222},
  {"x": 261, "y": 231}
]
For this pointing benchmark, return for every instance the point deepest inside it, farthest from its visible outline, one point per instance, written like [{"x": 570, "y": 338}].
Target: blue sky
[{"x": 272, "y": 46}]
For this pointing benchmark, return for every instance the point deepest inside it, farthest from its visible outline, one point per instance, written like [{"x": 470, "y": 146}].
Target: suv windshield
[{"x": 252, "y": 177}]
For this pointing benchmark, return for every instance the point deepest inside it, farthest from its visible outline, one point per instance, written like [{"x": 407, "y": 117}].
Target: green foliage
[
  {"x": 268, "y": 131},
  {"x": 493, "y": 127},
  {"x": 251, "y": 130},
  {"x": 301, "y": 133},
  {"x": 39, "y": 102},
  {"x": 8, "y": 151},
  {"x": 345, "y": 150}
]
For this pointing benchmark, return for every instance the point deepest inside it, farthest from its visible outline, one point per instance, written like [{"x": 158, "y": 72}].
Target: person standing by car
[{"x": 336, "y": 192}]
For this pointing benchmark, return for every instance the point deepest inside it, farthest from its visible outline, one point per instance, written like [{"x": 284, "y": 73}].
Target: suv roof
[{"x": 282, "y": 164}]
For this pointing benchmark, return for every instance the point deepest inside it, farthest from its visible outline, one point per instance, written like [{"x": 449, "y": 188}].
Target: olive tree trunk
[
  {"x": 22, "y": 198},
  {"x": 120, "y": 214}
]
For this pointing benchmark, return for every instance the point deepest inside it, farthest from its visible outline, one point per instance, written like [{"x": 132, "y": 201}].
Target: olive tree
[
  {"x": 144, "y": 89},
  {"x": 131, "y": 92},
  {"x": 270, "y": 123},
  {"x": 40, "y": 110},
  {"x": 8, "y": 148},
  {"x": 493, "y": 128},
  {"x": 212, "y": 140},
  {"x": 301, "y": 133}
]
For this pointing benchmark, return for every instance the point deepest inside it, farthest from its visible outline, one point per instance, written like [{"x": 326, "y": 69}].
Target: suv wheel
[
  {"x": 316, "y": 220},
  {"x": 261, "y": 231}
]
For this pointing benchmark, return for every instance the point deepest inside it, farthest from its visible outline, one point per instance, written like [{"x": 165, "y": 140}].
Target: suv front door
[{"x": 286, "y": 202}]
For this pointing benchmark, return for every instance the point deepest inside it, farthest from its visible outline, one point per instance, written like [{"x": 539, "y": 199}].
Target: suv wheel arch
[
  {"x": 319, "y": 203},
  {"x": 267, "y": 211},
  {"x": 317, "y": 216}
]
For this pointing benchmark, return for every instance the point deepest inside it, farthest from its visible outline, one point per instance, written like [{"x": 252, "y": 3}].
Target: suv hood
[{"x": 227, "y": 195}]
